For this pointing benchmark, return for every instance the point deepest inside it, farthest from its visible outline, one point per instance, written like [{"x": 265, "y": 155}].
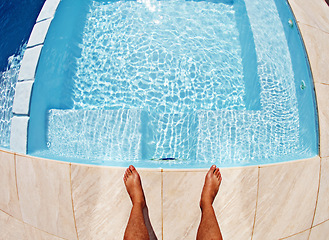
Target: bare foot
[
  {"x": 211, "y": 186},
  {"x": 133, "y": 184}
]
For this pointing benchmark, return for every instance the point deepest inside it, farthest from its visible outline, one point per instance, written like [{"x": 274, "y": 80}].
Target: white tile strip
[
  {"x": 39, "y": 33},
  {"x": 22, "y": 97},
  {"x": 48, "y": 10},
  {"x": 21, "y": 106},
  {"x": 29, "y": 63},
  {"x": 18, "y": 136}
]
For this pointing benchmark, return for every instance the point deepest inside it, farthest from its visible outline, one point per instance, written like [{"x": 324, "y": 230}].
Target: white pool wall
[{"x": 21, "y": 105}]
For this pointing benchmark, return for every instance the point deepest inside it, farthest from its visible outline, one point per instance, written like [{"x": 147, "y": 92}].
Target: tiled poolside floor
[{"x": 74, "y": 201}]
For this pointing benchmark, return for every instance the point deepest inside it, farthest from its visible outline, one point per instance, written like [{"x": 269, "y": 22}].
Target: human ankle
[
  {"x": 140, "y": 203},
  {"x": 205, "y": 204}
]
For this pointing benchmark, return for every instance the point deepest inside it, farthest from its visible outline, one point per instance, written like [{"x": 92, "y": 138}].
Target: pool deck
[{"x": 45, "y": 199}]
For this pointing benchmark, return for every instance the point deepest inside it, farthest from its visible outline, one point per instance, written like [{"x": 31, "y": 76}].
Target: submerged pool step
[
  {"x": 170, "y": 135},
  {"x": 135, "y": 134},
  {"x": 230, "y": 136},
  {"x": 122, "y": 134},
  {"x": 222, "y": 136},
  {"x": 94, "y": 134},
  {"x": 226, "y": 136}
]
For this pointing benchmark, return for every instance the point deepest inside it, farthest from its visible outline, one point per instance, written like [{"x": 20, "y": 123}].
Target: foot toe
[
  {"x": 132, "y": 168},
  {"x": 216, "y": 171}
]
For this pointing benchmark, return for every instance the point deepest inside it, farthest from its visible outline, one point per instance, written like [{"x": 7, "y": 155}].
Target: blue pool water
[
  {"x": 17, "y": 19},
  {"x": 173, "y": 84}
]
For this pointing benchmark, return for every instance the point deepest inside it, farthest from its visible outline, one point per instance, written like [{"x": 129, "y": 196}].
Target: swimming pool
[
  {"x": 16, "y": 23},
  {"x": 209, "y": 82}
]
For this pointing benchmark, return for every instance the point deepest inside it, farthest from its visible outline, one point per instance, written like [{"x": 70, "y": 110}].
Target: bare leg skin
[
  {"x": 136, "y": 228},
  {"x": 209, "y": 228}
]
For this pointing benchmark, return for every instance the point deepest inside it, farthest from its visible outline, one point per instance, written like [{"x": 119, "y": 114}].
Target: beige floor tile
[
  {"x": 300, "y": 236},
  {"x": 102, "y": 205},
  {"x": 11, "y": 228},
  {"x": 234, "y": 205},
  {"x": 314, "y": 13},
  {"x": 36, "y": 234},
  {"x": 320, "y": 232},
  {"x": 322, "y": 208},
  {"x": 322, "y": 95},
  {"x": 316, "y": 43},
  {"x": 45, "y": 195},
  {"x": 8, "y": 190},
  {"x": 286, "y": 198},
  {"x": 181, "y": 196}
]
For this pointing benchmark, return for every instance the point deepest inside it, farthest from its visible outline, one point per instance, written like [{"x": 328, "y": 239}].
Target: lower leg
[
  {"x": 209, "y": 228},
  {"x": 136, "y": 228}
]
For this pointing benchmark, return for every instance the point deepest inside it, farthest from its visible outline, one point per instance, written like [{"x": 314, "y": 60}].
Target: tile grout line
[
  {"x": 311, "y": 26},
  {"x": 309, "y": 229},
  {"x": 317, "y": 197},
  {"x": 19, "y": 204},
  {"x": 1, "y": 210},
  {"x": 16, "y": 183},
  {"x": 253, "y": 226},
  {"x": 75, "y": 223},
  {"x": 320, "y": 223},
  {"x": 161, "y": 203},
  {"x": 24, "y": 223},
  {"x": 326, "y": 84}
]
